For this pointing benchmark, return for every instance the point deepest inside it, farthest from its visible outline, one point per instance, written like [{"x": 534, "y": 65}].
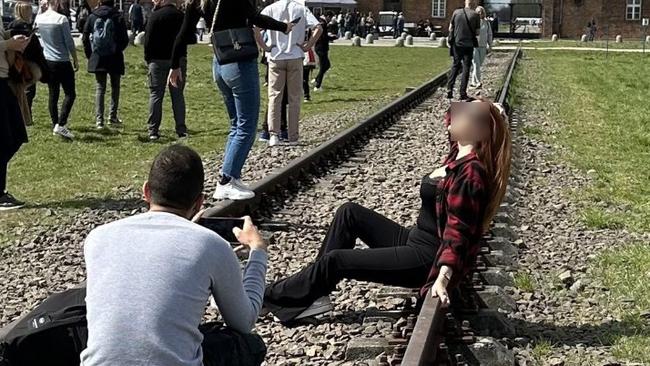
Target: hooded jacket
[{"x": 112, "y": 64}]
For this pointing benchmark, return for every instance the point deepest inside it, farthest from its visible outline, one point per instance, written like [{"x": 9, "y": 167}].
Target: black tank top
[{"x": 426, "y": 230}]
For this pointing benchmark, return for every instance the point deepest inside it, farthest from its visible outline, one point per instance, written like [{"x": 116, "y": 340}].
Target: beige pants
[{"x": 283, "y": 72}]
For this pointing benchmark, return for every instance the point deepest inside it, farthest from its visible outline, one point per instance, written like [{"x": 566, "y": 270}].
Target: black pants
[
  {"x": 61, "y": 76},
  {"x": 462, "y": 55},
  {"x": 12, "y": 130},
  {"x": 31, "y": 94},
  {"x": 393, "y": 259},
  {"x": 306, "y": 73},
  {"x": 226, "y": 347},
  {"x": 323, "y": 65}
]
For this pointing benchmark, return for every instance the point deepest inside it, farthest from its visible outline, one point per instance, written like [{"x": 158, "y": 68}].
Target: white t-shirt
[{"x": 287, "y": 46}]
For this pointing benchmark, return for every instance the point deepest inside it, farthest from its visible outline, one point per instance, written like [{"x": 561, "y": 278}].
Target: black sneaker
[
  {"x": 284, "y": 135},
  {"x": 9, "y": 202},
  {"x": 450, "y": 95}
]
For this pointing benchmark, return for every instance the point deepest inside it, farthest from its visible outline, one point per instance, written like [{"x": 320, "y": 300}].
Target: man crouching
[{"x": 150, "y": 276}]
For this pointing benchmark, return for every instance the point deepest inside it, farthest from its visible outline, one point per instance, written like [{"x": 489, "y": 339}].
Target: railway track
[{"x": 421, "y": 340}]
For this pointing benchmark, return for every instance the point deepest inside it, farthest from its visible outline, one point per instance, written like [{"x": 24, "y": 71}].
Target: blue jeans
[{"x": 239, "y": 84}]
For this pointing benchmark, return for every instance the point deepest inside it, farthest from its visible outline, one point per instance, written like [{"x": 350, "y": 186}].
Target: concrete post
[
  {"x": 370, "y": 39},
  {"x": 619, "y": 39},
  {"x": 409, "y": 40},
  {"x": 555, "y": 38},
  {"x": 442, "y": 42},
  {"x": 432, "y": 37},
  {"x": 583, "y": 38},
  {"x": 348, "y": 35},
  {"x": 356, "y": 41},
  {"x": 399, "y": 42}
]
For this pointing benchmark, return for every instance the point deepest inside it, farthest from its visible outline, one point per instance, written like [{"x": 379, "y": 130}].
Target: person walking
[
  {"x": 83, "y": 12},
  {"x": 484, "y": 45},
  {"x": 12, "y": 128},
  {"x": 285, "y": 58},
  {"x": 237, "y": 79},
  {"x": 463, "y": 29},
  {"x": 105, "y": 39},
  {"x": 162, "y": 28},
  {"x": 58, "y": 48},
  {"x": 322, "y": 49},
  {"x": 136, "y": 17}
]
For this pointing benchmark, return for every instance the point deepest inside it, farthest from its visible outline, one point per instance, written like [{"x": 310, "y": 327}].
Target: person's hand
[
  {"x": 289, "y": 27},
  {"x": 75, "y": 64},
  {"x": 439, "y": 290},
  {"x": 17, "y": 43},
  {"x": 306, "y": 46},
  {"x": 175, "y": 77},
  {"x": 249, "y": 236}
]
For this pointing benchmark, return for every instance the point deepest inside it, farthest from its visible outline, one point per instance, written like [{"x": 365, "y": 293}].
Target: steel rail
[
  {"x": 423, "y": 346},
  {"x": 328, "y": 150}
]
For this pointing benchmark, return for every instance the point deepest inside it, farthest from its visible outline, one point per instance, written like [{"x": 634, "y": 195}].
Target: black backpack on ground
[{"x": 53, "y": 334}]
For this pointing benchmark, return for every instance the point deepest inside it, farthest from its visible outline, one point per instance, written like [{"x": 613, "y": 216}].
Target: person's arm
[
  {"x": 85, "y": 38},
  {"x": 69, "y": 43},
  {"x": 240, "y": 300},
  {"x": 259, "y": 39},
  {"x": 317, "y": 30},
  {"x": 263, "y": 21},
  {"x": 465, "y": 205},
  {"x": 192, "y": 15},
  {"x": 122, "y": 40}
]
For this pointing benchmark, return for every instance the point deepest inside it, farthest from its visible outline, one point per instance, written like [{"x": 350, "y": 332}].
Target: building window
[
  {"x": 633, "y": 10},
  {"x": 438, "y": 8}
]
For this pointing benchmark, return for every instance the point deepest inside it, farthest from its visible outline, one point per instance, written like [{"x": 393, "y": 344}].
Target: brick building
[
  {"x": 437, "y": 11},
  {"x": 569, "y": 18}
]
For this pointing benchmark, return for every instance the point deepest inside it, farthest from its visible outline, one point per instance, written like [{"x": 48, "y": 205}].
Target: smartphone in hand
[{"x": 222, "y": 226}]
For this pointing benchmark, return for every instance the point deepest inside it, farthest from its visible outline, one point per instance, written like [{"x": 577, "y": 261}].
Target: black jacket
[{"x": 112, "y": 64}]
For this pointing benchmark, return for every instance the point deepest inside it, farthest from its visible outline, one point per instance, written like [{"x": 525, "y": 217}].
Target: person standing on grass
[
  {"x": 58, "y": 48},
  {"x": 463, "y": 29},
  {"x": 136, "y": 17},
  {"x": 105, "y": 39},
  {"x": 322, "y": 50},
  {"x": 484, "y": 45},
  {"x": 238, "y": 82},
  {"x": 12, "y": 128},
  {"x": 200, "y": 28},
  {"x": 285, "y": 58},
  {"x": 162, "y": 28}
]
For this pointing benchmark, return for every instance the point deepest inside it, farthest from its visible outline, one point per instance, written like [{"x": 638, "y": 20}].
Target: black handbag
[{"x": 232, "y": 45}]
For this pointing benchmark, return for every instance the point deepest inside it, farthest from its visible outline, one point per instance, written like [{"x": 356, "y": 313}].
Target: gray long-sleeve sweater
[{"x": 149, "y": 278}]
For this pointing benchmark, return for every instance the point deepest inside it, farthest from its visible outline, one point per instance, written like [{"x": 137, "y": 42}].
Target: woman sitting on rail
[{"x": 459, "y": 200}]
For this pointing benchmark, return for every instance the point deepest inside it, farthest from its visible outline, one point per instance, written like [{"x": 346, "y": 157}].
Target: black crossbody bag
[{"x": 232, "y": 45}]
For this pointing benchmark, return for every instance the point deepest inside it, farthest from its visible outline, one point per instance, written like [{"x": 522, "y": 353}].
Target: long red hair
[{"x": 495, "y": 152}]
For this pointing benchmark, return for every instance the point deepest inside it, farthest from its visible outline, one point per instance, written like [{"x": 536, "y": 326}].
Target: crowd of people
[{"x": 153, "y": 291}]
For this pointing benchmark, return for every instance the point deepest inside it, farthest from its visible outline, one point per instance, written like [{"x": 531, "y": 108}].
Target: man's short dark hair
[
  {"x": 176, "y": 177},
  {"x": 107, "y": 2}
]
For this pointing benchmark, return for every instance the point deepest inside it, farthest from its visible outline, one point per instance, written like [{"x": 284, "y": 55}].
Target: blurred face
[
  {"x": 469, "y": 121},
  {"x": 481, "y": 13}
]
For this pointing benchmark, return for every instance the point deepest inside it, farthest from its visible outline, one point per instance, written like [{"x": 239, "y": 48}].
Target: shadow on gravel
[
  {"x": 590, "y": 335},
  {"x": 95, "y": 203}
]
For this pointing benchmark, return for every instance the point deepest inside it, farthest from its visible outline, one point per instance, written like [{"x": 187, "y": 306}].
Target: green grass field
[
  {"x": 50, "y": 173},
  {"x": 602, "y": 112}
]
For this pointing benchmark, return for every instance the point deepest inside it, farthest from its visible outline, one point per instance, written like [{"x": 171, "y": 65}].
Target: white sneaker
[
  {"x": 313, "y": 81},
  {"x": 62, "y": 131},
  {"x": 320, "y": 306},
  {"x": 232, "y": 191},
  {"x": 317, "y": 89},
  {"x": 274, "y": 140},
  {"x": 238, "y": 182}
]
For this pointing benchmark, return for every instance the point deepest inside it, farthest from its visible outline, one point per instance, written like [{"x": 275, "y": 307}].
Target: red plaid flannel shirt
[{"x": 460, "y": 213}]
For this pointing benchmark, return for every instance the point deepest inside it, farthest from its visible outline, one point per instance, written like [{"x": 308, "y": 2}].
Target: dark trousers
[
  {"x": 12, "y": 130},
  {"x": 31, "y": 94},
  {"x": 393, "y": 259},
  {"x": 61, "y": 76},
  {"x": 323, "y": 65},
  {"x": 158, "y": 72},
  {"x": 462, "y": 55},
  {"x": 100, "y": 93},
  {"x": 306, "y": 73}
]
